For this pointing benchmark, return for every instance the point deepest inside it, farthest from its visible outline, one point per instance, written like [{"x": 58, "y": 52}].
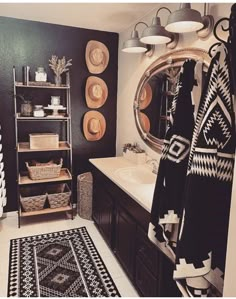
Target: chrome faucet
[{"x": 154, "y": 163}]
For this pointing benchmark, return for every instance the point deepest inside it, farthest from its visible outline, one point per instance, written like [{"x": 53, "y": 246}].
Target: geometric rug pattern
[{"x": 60, "y": 264}]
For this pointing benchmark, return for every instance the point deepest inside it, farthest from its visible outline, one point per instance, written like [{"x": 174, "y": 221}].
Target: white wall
[
  {"x": 132, "y": 66},
  {"x": 130, "y": 69},
  {"x": 230, "y": 277}
]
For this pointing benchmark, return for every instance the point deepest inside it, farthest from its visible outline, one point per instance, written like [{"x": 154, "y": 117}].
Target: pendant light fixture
[
  {"x": 184, "y": 20},
  {"x": 208, "y": 22},
  {"x": 155, "y": 33},
  {"x": 133, "y": 45}
]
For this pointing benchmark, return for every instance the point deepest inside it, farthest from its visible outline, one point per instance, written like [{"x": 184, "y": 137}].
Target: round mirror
[{"x": 156, "y": 90}]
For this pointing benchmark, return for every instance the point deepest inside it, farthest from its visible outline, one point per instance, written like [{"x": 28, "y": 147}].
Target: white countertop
[{"x": 141, "y": 193}]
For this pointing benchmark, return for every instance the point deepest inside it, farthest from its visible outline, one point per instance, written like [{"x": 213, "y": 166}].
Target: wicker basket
[
  {"x": 32, "y": 198},
  {"x": 58, "y": 199},
  {"x": 40, "y": 171}
]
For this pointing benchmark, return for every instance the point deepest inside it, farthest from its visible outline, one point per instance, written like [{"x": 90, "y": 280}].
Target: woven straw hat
[
  {"x": 96, "y": 92},
  {"x": 94, "y": 125},
  {"x": 145, "y": 122},
  {"x": 96, "y": 56},
  {"x": 145, "y": 97}
]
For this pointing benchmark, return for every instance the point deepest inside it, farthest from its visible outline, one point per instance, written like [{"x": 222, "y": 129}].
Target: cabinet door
[
  {"x": 103, "y": 212},
  {"x": 106, "y": 211},
  {"x": 145, "y": 281},
  {"x": 147, "y": 252},
  {"x": 125, "y": 240}
]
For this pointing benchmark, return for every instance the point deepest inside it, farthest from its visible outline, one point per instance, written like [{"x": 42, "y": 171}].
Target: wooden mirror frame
[{"x": 171, "y": 59}]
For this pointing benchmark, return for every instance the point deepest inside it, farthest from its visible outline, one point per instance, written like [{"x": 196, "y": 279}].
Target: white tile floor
[{"x": 51, "y": 223}]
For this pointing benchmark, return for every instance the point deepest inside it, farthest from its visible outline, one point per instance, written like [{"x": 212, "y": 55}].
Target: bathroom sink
[{"x": 136, "y": 175}]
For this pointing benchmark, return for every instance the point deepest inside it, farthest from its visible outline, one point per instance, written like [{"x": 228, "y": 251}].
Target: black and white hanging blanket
[
  {"x": 201, "y": 247},
  {"x": 3, "y": 199},
  {"x": 167, "y": 201}
]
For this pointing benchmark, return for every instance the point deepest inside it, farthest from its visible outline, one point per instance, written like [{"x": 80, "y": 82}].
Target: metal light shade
[
  {"x": 133, "y": 45},
  {"x": 184, "y": 20},
  {"x": 155, "y": 34}
]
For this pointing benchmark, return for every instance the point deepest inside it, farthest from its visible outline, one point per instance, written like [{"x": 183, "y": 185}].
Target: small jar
[
  {"x": 38, "y": 111},
  {"x": 40, "y": 75},
  {"x": 55, "y": 100}
]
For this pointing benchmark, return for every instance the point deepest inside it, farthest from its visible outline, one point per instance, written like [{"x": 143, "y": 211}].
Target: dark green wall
[{"x": 33, "y": 43}]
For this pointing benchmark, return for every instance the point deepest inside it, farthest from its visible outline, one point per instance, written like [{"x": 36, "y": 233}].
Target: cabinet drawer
[
  {"x": 145, "y": 281},
  {"x": 147, "y": 252}
]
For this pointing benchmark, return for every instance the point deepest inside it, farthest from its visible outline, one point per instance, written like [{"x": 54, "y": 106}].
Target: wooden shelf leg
[
  {"x": 18, "y": 219},
  {"x": 72, "y": 213}
]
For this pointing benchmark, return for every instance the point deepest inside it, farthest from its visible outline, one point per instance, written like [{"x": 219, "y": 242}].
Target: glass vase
[
  {"x": 26, "y": 109},
  {"x": 58, "y": 80}
]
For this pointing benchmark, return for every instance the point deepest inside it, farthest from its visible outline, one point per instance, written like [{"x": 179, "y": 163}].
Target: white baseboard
[{"x": 10, "y": 214}]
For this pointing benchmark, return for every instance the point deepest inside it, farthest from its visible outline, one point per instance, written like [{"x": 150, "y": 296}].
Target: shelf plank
[
  {"x": 65, "y": 175},
  {"x": 46, "y": 211},
  {"x": 32, "y": 85},
  {"x": 24, "y": 147},
  {"x": 45, "y": 118}
]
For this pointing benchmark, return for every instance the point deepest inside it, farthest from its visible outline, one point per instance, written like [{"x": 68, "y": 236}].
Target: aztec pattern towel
[
  {"x": 168, "y": 194},
  {"x": 201, "y": 247},
  {"x": 3, "y": 199}
]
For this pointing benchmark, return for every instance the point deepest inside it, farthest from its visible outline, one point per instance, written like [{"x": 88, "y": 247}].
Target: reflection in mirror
[
  {"x": 156, "y": 91},
  {"x": 157, "y": 111},
  {"x": 145, "y": 122}
]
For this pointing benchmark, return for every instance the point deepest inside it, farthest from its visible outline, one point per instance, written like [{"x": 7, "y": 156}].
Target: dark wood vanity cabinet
[{"x": 124, "y": 224}]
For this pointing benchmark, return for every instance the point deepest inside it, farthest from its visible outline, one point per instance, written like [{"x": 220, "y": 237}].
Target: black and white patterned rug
[{"x": 60, "y": 264}]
